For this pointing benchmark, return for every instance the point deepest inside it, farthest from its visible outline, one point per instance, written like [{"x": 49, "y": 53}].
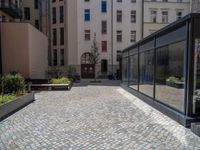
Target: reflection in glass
[
  {"x": 196, "y": 93},
  {"x": 146, "y": 73},
  {"x": 134, "y": 72},
  {"x": 170, "y": 75},
  {"x": 125, "y": 69}
]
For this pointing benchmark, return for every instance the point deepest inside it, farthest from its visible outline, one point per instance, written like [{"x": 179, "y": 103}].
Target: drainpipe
[
  {"x": 49, "y": 28},
  {"x": 142, "y": 20},
  {"x": 112, "y": 37}
]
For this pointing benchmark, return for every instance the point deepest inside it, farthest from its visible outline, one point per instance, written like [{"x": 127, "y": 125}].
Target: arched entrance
[{"x": 87, "y": 68}]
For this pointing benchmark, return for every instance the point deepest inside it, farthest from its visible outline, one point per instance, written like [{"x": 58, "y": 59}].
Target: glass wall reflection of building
[{"x": 164, "y": 69}]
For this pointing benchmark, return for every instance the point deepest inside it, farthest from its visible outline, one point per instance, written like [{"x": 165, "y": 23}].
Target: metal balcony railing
[{"x": 11, "y": 8}]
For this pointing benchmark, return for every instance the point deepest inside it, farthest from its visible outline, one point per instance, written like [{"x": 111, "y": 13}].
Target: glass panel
[
  {"x": 170, "y": 75},
  {"x": 125, "y": 69},
  {"x": 196, "y": 95},
  {"x": 134, "y": 72},
  {"x": 146, "y": 73},
  {"x": 176, "y": 35}
]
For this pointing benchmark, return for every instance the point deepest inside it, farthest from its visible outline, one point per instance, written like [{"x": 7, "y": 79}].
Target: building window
[
  {"x": 54, "y": 15},
  {"x": 55, "y": 57},
  {"x": 61, "y": 36},
  {"x": 36, "y": 4},
  {"x": 133, "y": 36},
  {"x": 61, "y": 14},
  {"x": 164, "y": 16},
  {"x": 62, "y": 62},
  {"x": 104, "y": 46},
  {"x": 153, "y": 16},
  {"x": 119, "y": 1},
  {"x": 119, "y": 36},
  {"x": 37, "y": 24},
  {"x": 133, "y": 16},
  {"x": 104, "y": 27},
  {"x": 87, "y": 0},
  {"x": 103, "y": 6},
  {"x": 54, "y": 37},
  {"x": 179, "y": 14},
  {"x": 104, "y": 66},
  {"x": 53, "y": 1},
  {"x": 27, "y": 13},
  {"x": 133, "y": 1},
  {"x": 119, "y": 16},
  {"x": 87, "y": 15},
  {"x": 87, "y": 35}
]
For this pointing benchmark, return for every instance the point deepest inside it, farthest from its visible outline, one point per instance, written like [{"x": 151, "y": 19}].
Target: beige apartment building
[
  {"x": 23, "y": 48},
  {"x": 74, "y": 22},
  {"x": 116, "y": 24},
  {"x": 36, "y": 12},
  {"x": 71, "y": 25}
]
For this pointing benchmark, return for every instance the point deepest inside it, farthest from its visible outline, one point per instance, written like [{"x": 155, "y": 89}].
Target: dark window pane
[
  {"x": 146, "y": 73},
  {"x": 103, "y": 6},
  {"x": 170, "y": 75},
  {"x": 134, "y": 72},
  {"x": 196, "y": 96},
  {"x": 125, "y": 69}
]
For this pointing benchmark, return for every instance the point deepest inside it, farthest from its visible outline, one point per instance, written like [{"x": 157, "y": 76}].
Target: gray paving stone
[{"x": 93, "y": 117}]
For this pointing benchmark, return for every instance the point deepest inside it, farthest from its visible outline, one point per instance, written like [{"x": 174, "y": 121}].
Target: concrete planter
[
  {"x": 14, "y": 105},
  {"x": 49, "y": 87},
  {"x": 195, "y": 128}
]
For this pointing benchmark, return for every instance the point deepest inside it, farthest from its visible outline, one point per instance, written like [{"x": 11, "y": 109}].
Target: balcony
[{"x": 11, "y": 8}]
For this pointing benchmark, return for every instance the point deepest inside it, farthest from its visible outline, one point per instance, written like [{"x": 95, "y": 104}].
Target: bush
[
  {"x": 62, "y": 80},
  {"x": 14, "y": 83}
]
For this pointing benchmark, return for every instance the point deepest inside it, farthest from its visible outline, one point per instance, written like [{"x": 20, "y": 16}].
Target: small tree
[{"x": 95, "y": 54}]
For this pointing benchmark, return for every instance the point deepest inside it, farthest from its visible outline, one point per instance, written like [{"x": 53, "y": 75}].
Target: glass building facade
[{"x": 164, "y": 69}]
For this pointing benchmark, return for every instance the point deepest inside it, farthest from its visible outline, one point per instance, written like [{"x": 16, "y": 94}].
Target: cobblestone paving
[{"x": 92, "y": 117}]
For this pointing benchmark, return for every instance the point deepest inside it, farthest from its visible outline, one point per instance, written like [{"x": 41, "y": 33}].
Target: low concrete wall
[{"x": 12, "y": 106}]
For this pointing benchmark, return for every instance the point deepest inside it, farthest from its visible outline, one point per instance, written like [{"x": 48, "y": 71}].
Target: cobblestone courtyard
[{"x": 92, "y": 117}]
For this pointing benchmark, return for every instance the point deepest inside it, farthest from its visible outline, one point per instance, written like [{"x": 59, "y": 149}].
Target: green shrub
[
  {"x": 6, "y": 98},
  {"x": 14, "y": 83},
  {"x": 62, "y": 80}
]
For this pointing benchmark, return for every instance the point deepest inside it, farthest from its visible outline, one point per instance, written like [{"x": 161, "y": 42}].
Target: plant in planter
[
  {"x": 14, "y": 84},
  {"x": 62, "y": 80},
  {"x": 6, "y": 98},
  {"x": 13, "y": 94},
  {"x": 175, "y": 82}
]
